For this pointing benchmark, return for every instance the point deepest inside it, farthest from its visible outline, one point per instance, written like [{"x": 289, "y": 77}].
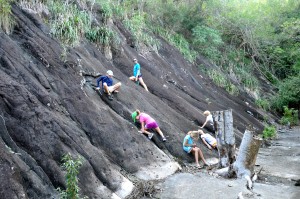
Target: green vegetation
[
  {"x": 263, "y": 103},
  {"x": 6, "y": 19},
  {"x": 289, "y": 92},
  {"x": 68, "y": 23},
  {"x": 290, "y": 116},
  {"x": 72, "y": 167},
  {"x": 269, "y": 132},
  {"x": 102, "y": 35},
  {"x": 242, "y": 39}
]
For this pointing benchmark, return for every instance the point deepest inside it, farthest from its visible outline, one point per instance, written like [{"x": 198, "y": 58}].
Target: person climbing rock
[
  {"x": 209, "y": 121},
  {"x": 137, "y": 75},
  {"x": 147, "y": 122},
  {"x": 190, "y": 146},
  {"x": 107, "y": 84},
  {"x": 208, "y": 140}
]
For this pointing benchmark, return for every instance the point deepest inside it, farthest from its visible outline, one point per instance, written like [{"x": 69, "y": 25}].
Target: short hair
[{"x": 206, "y": 113}]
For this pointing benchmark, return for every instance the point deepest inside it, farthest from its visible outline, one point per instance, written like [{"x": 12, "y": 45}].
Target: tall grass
[
  {"x": 68, "y": 23},
  {"x": 102, "y": 35}
]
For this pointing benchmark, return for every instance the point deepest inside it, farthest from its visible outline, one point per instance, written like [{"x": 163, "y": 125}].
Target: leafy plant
[
  {"x": 207, "y": 41},
  {"x": 72, "y": 167},
  {"x": 231, "y": 89},
  {"x": 263, "y": 103},
  {"x": 269, "y": 132},
  {"x": 289, "y": 92},
  {"x": 290, "y": 116},
  {"x": 6, "y": 19}
]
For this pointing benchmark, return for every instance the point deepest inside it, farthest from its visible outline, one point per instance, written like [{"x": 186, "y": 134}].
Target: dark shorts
[
  {"x": 151, "y": 125},
  {"x": 140, "y": 76}
]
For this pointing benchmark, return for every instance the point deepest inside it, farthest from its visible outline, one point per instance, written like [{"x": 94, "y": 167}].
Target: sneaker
[
  {"x": 110, "y": 97},
  {"x": 164, "y": 139},
  {"x": 97, "y": 88},
  {"x": 150, "y": 136}
]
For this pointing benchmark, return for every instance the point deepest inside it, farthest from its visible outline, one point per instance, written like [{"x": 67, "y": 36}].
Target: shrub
[
  {"x": 6, "y": 20},
  {"x": 290, "y": 116},
  {"x": 207, "y": 41},
  {"x": 231, "y": 89},
  {"x": 72, "y": 167},
  {"x": 263, "y": 103},
  {"x": 217, "y": 77},
  {"x": 289, "y": 92},
  {"x": 269, "y": 132}
]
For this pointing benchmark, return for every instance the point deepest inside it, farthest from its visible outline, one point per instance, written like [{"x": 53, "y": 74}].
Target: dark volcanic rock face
[{"x": 48, "y": 112}]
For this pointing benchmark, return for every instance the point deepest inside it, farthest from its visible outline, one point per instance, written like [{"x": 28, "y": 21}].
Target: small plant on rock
[
  {"x": 269, "y": 132},
  {"x": 72, "y": 167},
  {"x": 290, "y": 116}
]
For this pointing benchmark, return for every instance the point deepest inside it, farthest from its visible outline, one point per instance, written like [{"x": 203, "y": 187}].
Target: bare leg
[
  {"x": 116, "y": 86},
  {"x": 143, "y": 84},
  {"x": 159, "y": 132},
  {"x": 195, "y": 152},
  {"x": 106, "y": 88},
  {"x": 201, "y": 156},
  {"x": 132, "y": 78},
  {"x": 147, "y": 132}
]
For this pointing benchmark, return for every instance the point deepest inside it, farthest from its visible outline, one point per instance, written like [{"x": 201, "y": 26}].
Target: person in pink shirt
[{"x": 147, "y": 122}]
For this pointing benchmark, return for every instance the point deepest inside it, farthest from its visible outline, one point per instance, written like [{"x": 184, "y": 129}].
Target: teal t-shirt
[
  {"x": 136, "y": 69},
  {"x": 189, "y": 141}
]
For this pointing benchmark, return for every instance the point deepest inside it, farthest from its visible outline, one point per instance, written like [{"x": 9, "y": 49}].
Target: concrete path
[{"x": 281, "y": 167}]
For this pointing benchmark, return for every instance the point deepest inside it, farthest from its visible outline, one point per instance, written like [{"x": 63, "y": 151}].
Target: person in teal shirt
[
  {"x": 137, "y": 75},
  {"x": 190, "y": 146}
]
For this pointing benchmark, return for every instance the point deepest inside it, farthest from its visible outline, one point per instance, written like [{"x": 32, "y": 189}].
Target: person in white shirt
[
  {"x": 208, "y": 140},
  {"x": 209, "y": 120}
]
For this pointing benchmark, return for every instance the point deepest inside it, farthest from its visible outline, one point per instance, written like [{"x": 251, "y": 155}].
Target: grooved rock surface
[{"x": 49, "y": 112}]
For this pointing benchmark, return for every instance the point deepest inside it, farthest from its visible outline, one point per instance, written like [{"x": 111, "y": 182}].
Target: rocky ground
[{"x": 279, "y": 165}]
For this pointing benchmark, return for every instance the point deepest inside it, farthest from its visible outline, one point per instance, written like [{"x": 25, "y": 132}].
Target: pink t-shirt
[{"x": 146, "y": 118}]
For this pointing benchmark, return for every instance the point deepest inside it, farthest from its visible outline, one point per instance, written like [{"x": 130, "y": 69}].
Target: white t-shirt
[{"x": 209, "y": 139}]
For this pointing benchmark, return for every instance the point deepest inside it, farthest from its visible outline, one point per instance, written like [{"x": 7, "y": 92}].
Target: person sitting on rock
[
  {"x": 137, "y": 75},
  {"x": 209, "y": 120},
  {"x": 208, "y": 140},
  {"x": 107, "y": 84},
  {"x": 189, "y": 146},
  {"x": 147, "y": 122}
]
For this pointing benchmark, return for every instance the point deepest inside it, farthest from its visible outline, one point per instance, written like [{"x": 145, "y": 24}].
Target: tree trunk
[
  {"x": 224, "y": 133},
  {"x": 248, "y": 151}
]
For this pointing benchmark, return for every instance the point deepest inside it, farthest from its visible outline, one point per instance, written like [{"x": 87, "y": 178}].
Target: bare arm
[
  {"x": 206, "y": 143},
  {"x": 143, "y": 126},
  {"x": 204, "y": 122}
]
